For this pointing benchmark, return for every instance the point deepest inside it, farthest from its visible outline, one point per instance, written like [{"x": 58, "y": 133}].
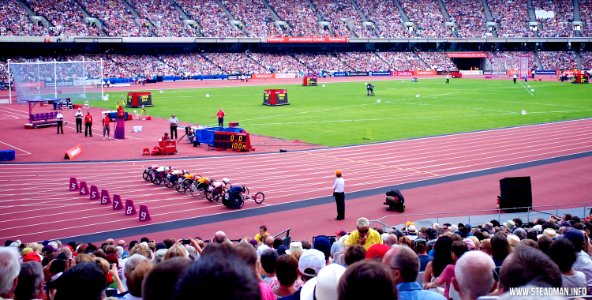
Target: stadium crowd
[
  {"x": 557, "y": 23},
  {"x": 195, "y": 64},
  {"x": 441, "y": 261},
  {"x": 253, "y": 18},
  {"x": 427, "y": 17},
  {"x": 512, "y": 20},
  {"x": 383, "y": 16},
  {"x": 469, "y": 16}
]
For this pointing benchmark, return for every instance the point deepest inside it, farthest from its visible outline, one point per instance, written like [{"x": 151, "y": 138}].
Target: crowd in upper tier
[{"x": 259, "y": 18}]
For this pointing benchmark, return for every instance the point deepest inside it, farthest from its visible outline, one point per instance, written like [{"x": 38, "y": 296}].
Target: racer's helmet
[{"x": 225, "y": 180}]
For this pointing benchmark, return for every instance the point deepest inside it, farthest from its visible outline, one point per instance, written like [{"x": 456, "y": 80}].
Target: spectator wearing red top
[
  {"x": 88, "y": 124},
  {"x": 106, "y": 129},
  {"x": 220, "y": 114}
]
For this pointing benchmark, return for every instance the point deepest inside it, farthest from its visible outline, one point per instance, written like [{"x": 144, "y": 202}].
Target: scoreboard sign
[
  {"x": 232, "y": 140},
  {"x": 274, "y": 97}
]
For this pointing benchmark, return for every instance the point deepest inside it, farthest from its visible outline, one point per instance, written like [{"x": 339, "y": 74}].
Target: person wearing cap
[
  {"x": 339, "y": 194},
  {"x": 173, "y": 122},
  {"x": 583, "y": 262},
  {"x": 363, "y": 235},
  {"x": 310, "y": 263},
  {"x": 324, "y": 286},
  {"x": 404, "y": 265}
]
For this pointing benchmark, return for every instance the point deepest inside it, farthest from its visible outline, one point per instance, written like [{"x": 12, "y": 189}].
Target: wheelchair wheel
[
  {"x": 179, "y": 187},
  {"x": 193, "y": 190},
  {"x": 157, "y": 181},
  {"x": 208, "y": 195},
  {"x": 146, "y": 175},
  {"x": 169, "y": 183},
  {"x": 259, "y": 197},
  {"x": 217, "y": 195},
  {"x": 241, "y": 203}
]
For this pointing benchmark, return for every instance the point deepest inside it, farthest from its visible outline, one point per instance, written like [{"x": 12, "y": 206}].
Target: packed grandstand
[
  {"x": 551, "y": 33},
  {"x": 218, "y": 39}
]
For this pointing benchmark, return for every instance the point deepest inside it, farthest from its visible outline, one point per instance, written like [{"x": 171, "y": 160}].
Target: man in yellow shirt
[
  {"x": 260, "y": 237},
  {"x": 363, "y": 235}
]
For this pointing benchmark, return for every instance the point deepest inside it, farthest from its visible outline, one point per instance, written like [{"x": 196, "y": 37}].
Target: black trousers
[
  {"x": 174, "y": 135},
  {"x": 340, "y": 201},
  {"x": 60, "y": 127},
  {"x": 88, "y": 129},
  {"x": 221, "y": 122},
  {"x": 78, "y": 125}
]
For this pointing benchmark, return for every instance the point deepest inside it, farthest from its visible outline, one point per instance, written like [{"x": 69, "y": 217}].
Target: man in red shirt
[
  {"x": 106, "y": 129},
  {"x": 88, "y": 124},
  {"x": 220, "y": 115}
]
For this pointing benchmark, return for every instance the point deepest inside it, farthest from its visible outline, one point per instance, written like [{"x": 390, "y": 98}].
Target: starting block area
[{"x": 103, "y": 198}]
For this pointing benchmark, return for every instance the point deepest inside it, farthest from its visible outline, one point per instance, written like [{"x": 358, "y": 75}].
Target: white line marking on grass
[{"x": 524, "y": 86}]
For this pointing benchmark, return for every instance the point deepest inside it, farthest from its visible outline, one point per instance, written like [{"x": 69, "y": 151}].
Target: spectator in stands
[
  {"x": 354, "y": 254},
  {"x": 583, "y": 262},
  {"x": 458, "y": 248},
  {"x": 563, "y": 253},
  {"x": 474, "y": 275},
  {"x": 367, "y": 279},
  {"x": 421, "y": 248},
  {"x": 287, "y": 274},
  {"x": 442, "y": 258},
  {"x": 500, "y": 248},
  {"x": 160, "y": 283},
  {"x": 248, "y": 253},
  {"x": 84, "y": 281},
  {"x": 262, "y": 234},
  {"x": 527, "y": 266},
  {"x": 363, "y": 235},
  {"x": 88, "y": 124},
  {"x": 404, "y": 265},
  {"x": 268, "y": 260},
  {"x": 9, "y": 271},
  {"x": 324, "y": 286},
  {"x": 221, "y": 273},
  {"x": 310, "y": 263},
  {"x": 30, "y": 281}
]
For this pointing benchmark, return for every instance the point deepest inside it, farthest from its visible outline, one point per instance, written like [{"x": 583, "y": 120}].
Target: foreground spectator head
[
  {"x": 323, "y": 244},
  {"x": 563, "y": 253},
  {"x": 310, "y": 263},
  {"x": 135, "y": 277},
  {"x": 9, "y": 271},
  {"x": 367, "y": 279},
  {"x": 83, "y": 281},
  {"x": 286, "y": 269},
  {"x": 324, "y": 286},
  {"x": 30, "y": 281},
  {"x": 404, "y": 263},
  {"x": 377, "y": 252},
  {"x": 161, "y": 281},
  {"x": 268, "y": 261},
  {"x": 354, "y": 254},
  {"x": 576, "y": 237},
  {"x": 474, "y": 275},
  {"x": 224, "y": 275},
  {"x": 529, "y": 266}
]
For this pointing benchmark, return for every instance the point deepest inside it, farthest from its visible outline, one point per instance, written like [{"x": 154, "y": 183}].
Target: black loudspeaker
[{"x": 515, "y": 194}]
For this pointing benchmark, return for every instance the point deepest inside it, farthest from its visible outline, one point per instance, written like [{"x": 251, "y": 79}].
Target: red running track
[{"x": 36, "y": 205}]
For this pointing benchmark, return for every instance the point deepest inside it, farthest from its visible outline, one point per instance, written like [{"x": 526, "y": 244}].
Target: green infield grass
[{"x": 337, "y": 114}]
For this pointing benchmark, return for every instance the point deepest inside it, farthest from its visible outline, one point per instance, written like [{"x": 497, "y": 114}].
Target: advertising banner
[
  {"x": 545, "y": 72},
  {"x": 306, "y": 39},
  {"x": 339, "y": 74},
  {"x": 263, "y": 76},
  {"x": 357, "y": 73},
  {"x": 466, "y": 54},
  {"x": 380, "y": 73},
  {"x": 402, "y": 73},
  {"x": 473, "y": 72},
  {"x": 425, "y": 73},
  {"x": 66, "y": 82},
  {"x": 285, "y": 75}
]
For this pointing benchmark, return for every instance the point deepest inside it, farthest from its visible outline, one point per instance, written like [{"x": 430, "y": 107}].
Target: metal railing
[{"x": 527, "y": 214}]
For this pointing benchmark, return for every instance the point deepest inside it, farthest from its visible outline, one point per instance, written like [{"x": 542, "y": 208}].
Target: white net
[
  {"x": 78, "y": 80},
  {"x": 523, "y": 66}
]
